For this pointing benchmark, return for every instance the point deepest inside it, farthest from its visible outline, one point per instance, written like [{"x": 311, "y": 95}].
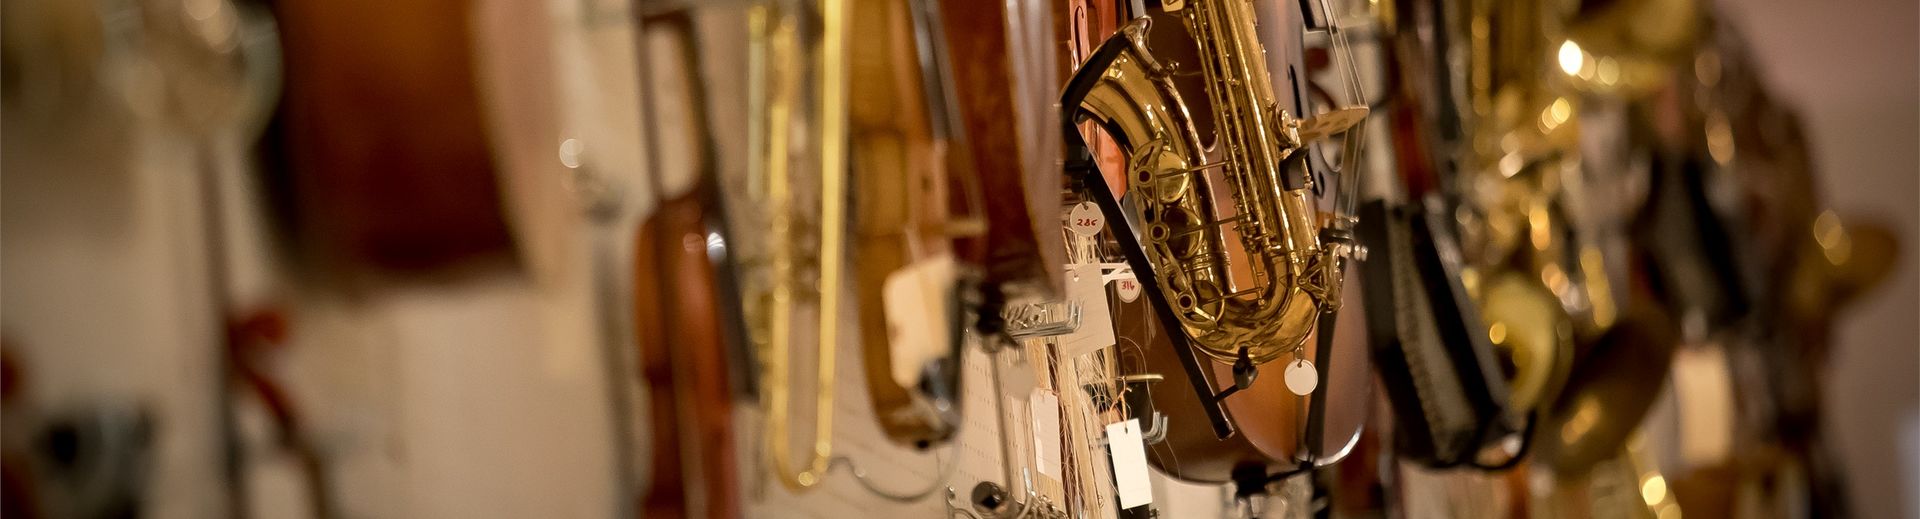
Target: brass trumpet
[
  {"x": 783, "y": 53},
  {"x": 880, "y": 220}
]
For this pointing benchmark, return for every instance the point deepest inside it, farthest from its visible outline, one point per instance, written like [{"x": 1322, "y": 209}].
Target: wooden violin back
[
  {"x": 1276, "y": 429},
  {"x": 684, "y": 365},
  {"x": 905, "y": 221},
  {"x": 1004, "y": 79},
  {"x": 680, "y": 313},
  {"x": 384, "y": 161}
]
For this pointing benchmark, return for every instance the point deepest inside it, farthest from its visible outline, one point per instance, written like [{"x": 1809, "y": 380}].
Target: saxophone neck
[{"x": 1129, "y": 93}]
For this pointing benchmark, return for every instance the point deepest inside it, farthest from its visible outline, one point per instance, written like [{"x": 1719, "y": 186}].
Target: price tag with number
[
  {"x": 1085, "y": 219},
  {"x": 1128, "y": 288}
]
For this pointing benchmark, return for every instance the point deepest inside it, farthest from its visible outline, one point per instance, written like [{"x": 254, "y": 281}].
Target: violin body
[
  {"x": 383, "y": 152},
  {"x": 1004, "y": 85},
  {"x": 683, "y": 320},
  {"x": 905, "y": 265},
  {"x": 683, "y": 363},
  {"x": 1277, "y": 431}
]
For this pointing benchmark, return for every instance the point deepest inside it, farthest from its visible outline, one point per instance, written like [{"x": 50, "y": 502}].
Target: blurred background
[
  {"x": 198, "y": 323},
  {"x": 1860, "y": 118}
]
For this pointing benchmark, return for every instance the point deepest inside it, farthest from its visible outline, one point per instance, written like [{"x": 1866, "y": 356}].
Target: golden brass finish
[
  {"x": 1522, "y": 152},
  {"x": 1192, "y": 207},
  {"x": 781, "y": 59},
  {"x": 1528, "y": 327}
]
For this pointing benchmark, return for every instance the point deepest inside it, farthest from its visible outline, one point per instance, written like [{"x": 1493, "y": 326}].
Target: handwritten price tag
[
  {"x": 1129, "y": 289},
  {"x": 1085, "y": 219}
]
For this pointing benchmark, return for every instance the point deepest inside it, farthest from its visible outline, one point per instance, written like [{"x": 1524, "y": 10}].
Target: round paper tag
[
  {"x": 1085, "y": 219},
  {"x": 1301, "y": 378},
  {"x": 1128, "y": 288}
]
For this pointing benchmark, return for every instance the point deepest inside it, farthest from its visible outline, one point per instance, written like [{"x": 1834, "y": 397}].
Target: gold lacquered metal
[
  {"x": 781, "y": 60},
  {"x": 1522, "y": 151},
  {"x": 1294, "y": 275}
]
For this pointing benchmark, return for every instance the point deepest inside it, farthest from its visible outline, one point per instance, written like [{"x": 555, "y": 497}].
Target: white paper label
[
  {"x": 1085, "y": 219},
  {"x": 1301, "y": 377},
  {"x": 1129, "y": 456},
  {"x": 918, "y": 302},
  {"x": 1045, "y": 407},
  {"x": 1703, "y": 386},
  {"x": 1017, "y": 379},
  {"x": 1084, "y": 286},
  {"x": 1128, "y": 288}
]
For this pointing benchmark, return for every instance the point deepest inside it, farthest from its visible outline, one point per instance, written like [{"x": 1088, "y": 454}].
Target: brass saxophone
[
  {"x": 1519, "y": 145},
  {"x": 1259, "y": 298}
]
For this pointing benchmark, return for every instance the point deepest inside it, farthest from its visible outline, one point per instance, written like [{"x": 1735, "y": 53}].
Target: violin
[
  {"x": 382, "y": 152},
  {"x": 909, "y": 205},
  {"x": 680, "y": 269},
  {"x": 1004, "y": 77}
]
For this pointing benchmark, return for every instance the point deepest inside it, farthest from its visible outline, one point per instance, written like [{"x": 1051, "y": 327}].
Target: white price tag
[
  {"x": 1085, "y": 219},
  {"x": 1045, "y": 408},
  {"x": 1703, "y": 389},
  {"x": 1128, "y": 288},
  {"x": 1301, "y": 377},
  {"x": 1084, "y": 286},
  {"x": 1129, "y": 456},
  {"x": 918, "y": 300}
]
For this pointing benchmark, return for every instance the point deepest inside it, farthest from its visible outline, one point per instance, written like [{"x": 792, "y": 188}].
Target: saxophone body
[{"x": 1230, "y": 224}]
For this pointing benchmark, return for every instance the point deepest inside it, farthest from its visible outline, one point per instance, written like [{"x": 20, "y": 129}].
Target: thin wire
[
  {"x": 955, "y": 510},
  {"x": 946, "y": 464},
  {"x": 1344, "y": 206}
]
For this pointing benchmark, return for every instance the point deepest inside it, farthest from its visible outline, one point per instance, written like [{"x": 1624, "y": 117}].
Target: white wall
[{"x": 1853, "y": 69}]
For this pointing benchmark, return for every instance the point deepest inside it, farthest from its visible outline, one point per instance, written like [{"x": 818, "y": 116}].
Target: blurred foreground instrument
[
  {"x": 916, "y": 290},
  {"x": 680, "y": 268}
]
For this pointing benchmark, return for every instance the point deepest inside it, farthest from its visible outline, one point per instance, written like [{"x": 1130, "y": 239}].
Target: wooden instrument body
[
  {"x": 684, "y": 364},
  {"x": 1275, "y": 430},
  {"x": 684, "y": 321},
  {"x": 902, "y": 215},
  {"x": 1005, "y": 96},
  {"x": 385, "y": 157}
]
